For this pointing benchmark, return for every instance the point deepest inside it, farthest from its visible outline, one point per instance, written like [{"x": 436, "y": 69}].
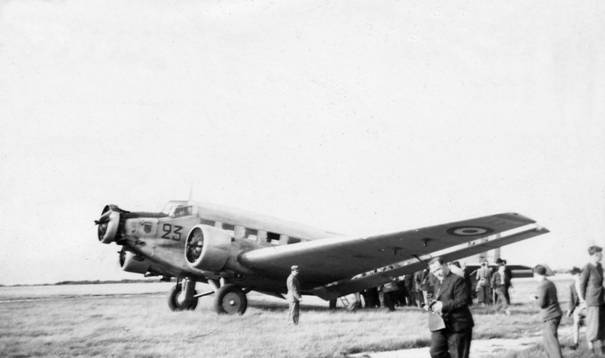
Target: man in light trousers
[{"x": 293, "y": 295}]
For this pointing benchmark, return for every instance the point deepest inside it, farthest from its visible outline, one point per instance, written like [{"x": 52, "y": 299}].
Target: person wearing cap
[
  {"x": 293, "y": 295},
  {"x": 483, "y": 277},
  {"x": 498, "y": 284},
  {"x": 508, "y": 275},
  {"x": 450, "y": 301},
  {"x": 550, "y": 312},
  {"x": 591, "y": 291},
  {"x": 577, "y": 306}
]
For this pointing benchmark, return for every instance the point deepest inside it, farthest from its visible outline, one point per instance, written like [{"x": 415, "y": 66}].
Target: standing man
[
  {"x": 577, "y": 307},
  {"x": 591, "y": 291},
  {"x": 389, "y": 292},
  {"x": 508, "y": 275},
  {"x": 408, "y": 282},
  {"x": 550, "y": 312},
  {"x": 427, "y": 286},
  {"x": 499, "y": 286},
  {"x": 293, "y": 295},
  {"x": 370, "y": 297},
  {"x": 451, "y": 302},
  {"x": 418, "y": 288},
  {"x": 484, "y": 274}
]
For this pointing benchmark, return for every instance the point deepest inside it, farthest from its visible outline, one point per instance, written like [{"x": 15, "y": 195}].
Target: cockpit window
[
  {"x": 178, "y": 209},
  {"x": 183, "y": 211}
]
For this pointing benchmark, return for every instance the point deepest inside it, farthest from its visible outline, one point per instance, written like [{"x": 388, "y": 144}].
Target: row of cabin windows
[{"x": 242, "y": 232}]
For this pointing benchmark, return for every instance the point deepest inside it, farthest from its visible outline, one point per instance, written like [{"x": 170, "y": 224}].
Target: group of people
[
  {"x": 586, "y": 304},
  {"x": 405, "y": 290},
  {"x": 450, "y": 301},
  {"x": 490, "y": 287},
  {"x": 446, "y": 294},
  {"x": 493, "y": 287}
]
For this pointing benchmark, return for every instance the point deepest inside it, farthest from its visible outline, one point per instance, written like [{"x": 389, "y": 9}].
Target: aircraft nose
[{"x": 107, "y": 225}]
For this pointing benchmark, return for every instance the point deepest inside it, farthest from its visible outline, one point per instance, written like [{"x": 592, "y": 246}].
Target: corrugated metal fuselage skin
[
  {"x": 144, "y": 236},
  {"x": 162, "y": 241}
]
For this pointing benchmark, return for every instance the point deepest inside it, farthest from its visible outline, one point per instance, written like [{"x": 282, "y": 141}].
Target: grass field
[{"x": 141, "y": 325}]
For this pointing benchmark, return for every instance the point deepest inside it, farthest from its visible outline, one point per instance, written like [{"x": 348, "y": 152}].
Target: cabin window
[
  {"x": 293, "y": 240},
  {"x": 183, "y": 211},
  {"x": 227, "y": 226},
  {"x": 271, "y": 236},
  {"x": 251, "y": 234},
  {"x": 207, "y": 222}
]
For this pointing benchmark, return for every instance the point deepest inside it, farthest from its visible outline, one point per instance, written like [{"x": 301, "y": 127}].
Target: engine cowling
[
  {"x": 107, "y": 225},
  {"x": 208, "y": 248},
  {"x": 131, "y": 262}
]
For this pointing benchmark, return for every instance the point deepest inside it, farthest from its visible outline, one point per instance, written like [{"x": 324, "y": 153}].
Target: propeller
[
  {"x": 195, "y": 245},
  {"x": 107, "y": 224}
]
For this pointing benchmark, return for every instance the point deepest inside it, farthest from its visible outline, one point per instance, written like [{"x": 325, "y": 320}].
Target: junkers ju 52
[{"x": 236, "y": 252}]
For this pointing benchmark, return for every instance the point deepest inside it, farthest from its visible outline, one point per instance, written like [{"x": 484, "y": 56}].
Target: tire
[
  {"x": 193, "y": 303},
  {"x": 230, "y": 300},
  {"x": 173, "y": 301}
]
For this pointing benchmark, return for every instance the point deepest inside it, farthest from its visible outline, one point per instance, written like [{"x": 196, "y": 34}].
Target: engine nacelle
[
  {"x": 108, "y": 224},
  {"x": 131, "y": 262},
  {"x": 208, "y": 248}
]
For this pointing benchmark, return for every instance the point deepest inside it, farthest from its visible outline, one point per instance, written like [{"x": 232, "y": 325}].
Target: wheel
[
  {"x": 177, "y": 301},
  {"x": 193, "y": 304},
  {"x": 332, "y": 304},
  {"x": 230, "y": 300}
]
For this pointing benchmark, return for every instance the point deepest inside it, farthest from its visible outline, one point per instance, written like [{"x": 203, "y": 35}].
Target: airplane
[{"x": 236, "y": 251}]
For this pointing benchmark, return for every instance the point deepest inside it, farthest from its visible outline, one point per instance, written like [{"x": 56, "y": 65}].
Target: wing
[{"x": 340, "y": 258}]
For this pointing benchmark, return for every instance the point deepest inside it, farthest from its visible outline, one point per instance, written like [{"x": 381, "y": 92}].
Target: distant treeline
[
  {"x": 99, "y": 282},
  {"x": 84, "y": 282}
]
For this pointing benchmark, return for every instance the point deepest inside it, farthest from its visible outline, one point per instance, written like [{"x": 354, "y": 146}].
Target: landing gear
[
  {"x": 193, "y": 303},
  {"x": 182, "y": 296},
  {"x": 230, "y": 299}
]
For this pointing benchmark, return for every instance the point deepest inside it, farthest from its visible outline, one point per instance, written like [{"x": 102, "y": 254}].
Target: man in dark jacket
[
  {"x": 508, "y": 274},
  {"x": 591, "y": 291},
  {"x": 408, "y": 282},
  {"x": 371, "y": 298},
  {"x": 550, "y": 312},
  {"x": 451, "y": 302},
  {"x": 389, "y": 294}
]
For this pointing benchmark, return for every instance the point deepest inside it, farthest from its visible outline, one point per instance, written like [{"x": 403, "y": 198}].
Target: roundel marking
[{"x": 469, "y": 230}]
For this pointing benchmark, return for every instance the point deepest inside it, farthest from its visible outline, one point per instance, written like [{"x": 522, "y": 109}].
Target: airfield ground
[{"x": 133, "y": 320}]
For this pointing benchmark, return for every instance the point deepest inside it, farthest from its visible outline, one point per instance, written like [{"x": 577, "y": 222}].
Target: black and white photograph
[{"x": 301, "y": 179}]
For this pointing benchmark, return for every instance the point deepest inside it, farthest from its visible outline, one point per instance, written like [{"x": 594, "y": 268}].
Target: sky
[{"x": 355, "y": 116}]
